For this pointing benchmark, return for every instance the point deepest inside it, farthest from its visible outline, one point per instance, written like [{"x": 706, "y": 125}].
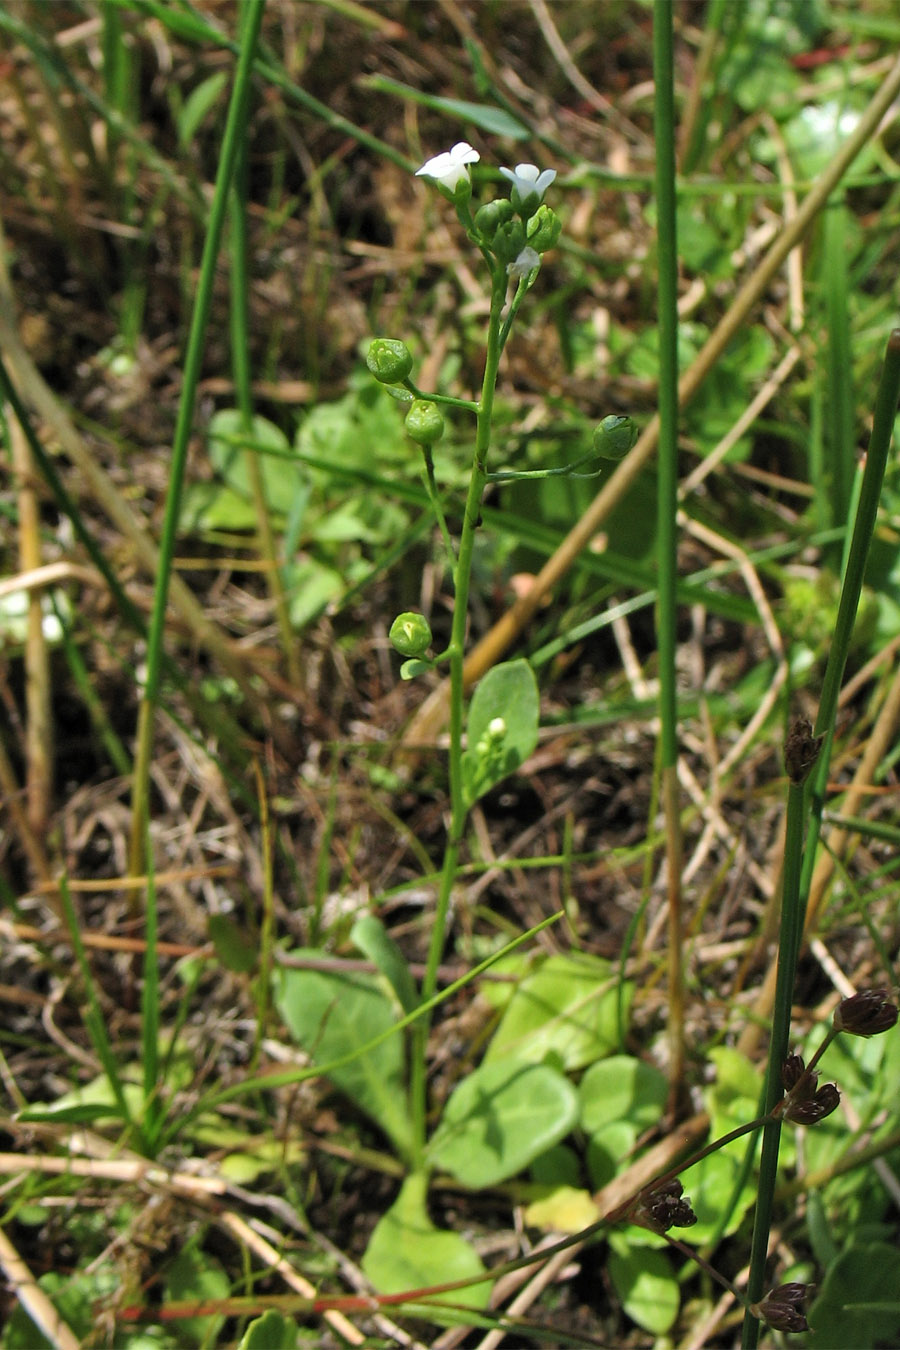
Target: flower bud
[
  {"x": 782, "y": 1308},
  {"x": 491, "y": 216},
  {"x": 389, "y": 360},
  {"x": 509, "y": 240},
  {"x": 543, "y": 229},
  {"x": 614, "y": 437},
  {"x": 424, "y": 423},
  {"x": 866, "y": 1013},
  {"x": 792, "y": 1070},
  {"x": 410, "y": 634}
]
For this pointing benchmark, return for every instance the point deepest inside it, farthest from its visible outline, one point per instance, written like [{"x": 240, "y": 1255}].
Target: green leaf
[
  {"x": 499, "y": 1118},
  {"x": 607, "y": 1148},
  {"x": 369, "y": 935},
  {"x": 708, "y": 1186},
  {"x": 331, "y": 1015},
  {"x": 272, "y": 1331},
  {"x": 859, "y": 1304},
  {"x": 406, "y": 1251},
  {"x": 495, "y": 121},
  {"x": 198, "y": 104},
  {"x": 283, "y": 476},
  {"x": 310, "y": 586},
  {"x": 502, "y": 727},
  {"x": 195, "y": 1275},
  {"x": 643, "y": 1279},
  {"x": 567, "y": 1008},
  {"x": 621, "y": 1088},
  {"x": 231, "y": 944}
]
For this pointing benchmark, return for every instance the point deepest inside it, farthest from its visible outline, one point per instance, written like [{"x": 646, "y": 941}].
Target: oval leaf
[
  {"x": 406, "y": 1251},
  {"x": 500, "y": 1118},
  {"x": 502, "y": 727},
  {"x": 332, "y": 1015},
  {"x": 568, "y": 1007}
]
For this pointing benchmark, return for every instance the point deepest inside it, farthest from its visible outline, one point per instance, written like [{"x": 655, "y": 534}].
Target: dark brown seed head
[
  {"x": 810, "y": 1110},
  {"x": 782, "y": 1308},
  {"x": 801, "y": 750},
  {"x": 664, "y": 1208},
  {"x": 866, "y": 1013}
]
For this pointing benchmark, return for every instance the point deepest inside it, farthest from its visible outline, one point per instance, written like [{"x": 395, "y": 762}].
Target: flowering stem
[
  {"x": 788, "y": 951},
  {"x": 437, "y": 508},
  {"x": 455, "y": 654}
]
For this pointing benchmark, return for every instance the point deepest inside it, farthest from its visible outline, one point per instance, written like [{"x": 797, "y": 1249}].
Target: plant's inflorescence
[{"x": 867, "y": 1013}]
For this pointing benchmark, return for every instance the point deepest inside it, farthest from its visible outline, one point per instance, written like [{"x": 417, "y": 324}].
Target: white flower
[
  {"x": 528, "y": 185},
  {"x": 448, "y": 169},
  {"x": 526, "y": 262}
]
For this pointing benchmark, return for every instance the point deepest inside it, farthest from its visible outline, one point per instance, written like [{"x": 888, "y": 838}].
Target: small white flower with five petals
[
  {"x": 448, "y": 169},
  {"x": 528, "y": 186},
  {"x": 527, "y": 261}
]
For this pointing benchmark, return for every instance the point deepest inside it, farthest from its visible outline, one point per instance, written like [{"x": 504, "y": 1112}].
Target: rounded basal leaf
[
  {"x": 569, "y": 1007},
  {"x": 502, "y": 727},
  {"x": 643, "y": 1279},
  {"x": 333, "y": 1016},
  {"x": 622, "y": 1088},
  {"x": 501, "y": 1117},
  {"x": 406, "y": 1251}
]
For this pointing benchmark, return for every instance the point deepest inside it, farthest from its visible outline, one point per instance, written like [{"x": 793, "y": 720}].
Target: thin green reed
[
  {"x": 234, "y": 132},
  {"x": 667, "y": 507},
  {"x": 804, "y": 749}
]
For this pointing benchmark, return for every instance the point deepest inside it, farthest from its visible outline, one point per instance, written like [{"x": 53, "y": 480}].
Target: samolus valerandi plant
[{"x": 528, "y": 1106}]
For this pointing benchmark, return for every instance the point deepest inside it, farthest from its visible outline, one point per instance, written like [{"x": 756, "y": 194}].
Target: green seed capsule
[
  {"x": 410, "y": 634},
  {"x": 424, "y": 423},
  {"x": 615, "y": 436},
  {"x": 389, "y": 360}
]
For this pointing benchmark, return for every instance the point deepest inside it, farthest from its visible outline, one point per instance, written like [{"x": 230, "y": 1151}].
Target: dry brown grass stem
[
  {"x": 33, "y": 1299},
  {"x": 431, "y": 717}
]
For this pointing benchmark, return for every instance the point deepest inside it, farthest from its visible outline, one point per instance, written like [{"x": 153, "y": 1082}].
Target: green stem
[
  {"x": 788, "y": 951},
  {"x": 667, "y": 506},
  {"x": 869, "y": 496},
  {"x": 234, "y": 131},
  {"x": 455, "y": 654},
  {"x": 240, "y": 362}
]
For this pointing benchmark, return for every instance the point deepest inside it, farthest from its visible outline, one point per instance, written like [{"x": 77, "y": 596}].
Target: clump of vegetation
[{"x": 448, "y": 756}]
